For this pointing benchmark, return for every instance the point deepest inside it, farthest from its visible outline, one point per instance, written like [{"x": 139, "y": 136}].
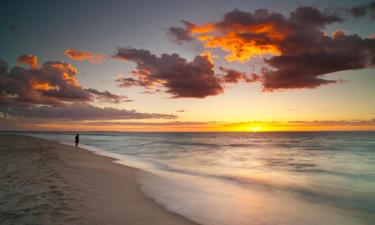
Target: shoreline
[{"x": 45, "y": 182}]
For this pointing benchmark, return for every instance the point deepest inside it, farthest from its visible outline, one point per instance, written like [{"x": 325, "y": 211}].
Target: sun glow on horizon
[
  {"x": 256, "y": 128},
  {"x": 199, "y": 127}
]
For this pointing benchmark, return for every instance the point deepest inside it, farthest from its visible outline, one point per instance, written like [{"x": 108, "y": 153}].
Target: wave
[
  {"x": 304, "y": 192},
  {"x": 245, "y": 182}
]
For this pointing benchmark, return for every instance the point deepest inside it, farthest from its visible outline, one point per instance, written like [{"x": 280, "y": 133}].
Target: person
[{"x": 77, "y": 140}]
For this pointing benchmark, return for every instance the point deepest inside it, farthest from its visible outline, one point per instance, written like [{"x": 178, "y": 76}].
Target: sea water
[{"x": 291, "y": 178}]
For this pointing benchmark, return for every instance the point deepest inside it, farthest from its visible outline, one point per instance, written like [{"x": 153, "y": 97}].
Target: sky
[{"x": 187, "y": 65}]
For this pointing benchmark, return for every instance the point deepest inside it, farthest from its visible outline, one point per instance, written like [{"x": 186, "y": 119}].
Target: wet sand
[{"x": 44, "y": 182}]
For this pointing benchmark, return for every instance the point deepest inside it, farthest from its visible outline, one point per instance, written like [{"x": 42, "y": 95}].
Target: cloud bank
[
  {"x": 79, "y": 112},
  {"x": 297, "y": 51},
  {"x": 52, "y": 91}
]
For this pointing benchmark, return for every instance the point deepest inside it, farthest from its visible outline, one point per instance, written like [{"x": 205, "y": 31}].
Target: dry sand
[{"x": 43, "y": 182}]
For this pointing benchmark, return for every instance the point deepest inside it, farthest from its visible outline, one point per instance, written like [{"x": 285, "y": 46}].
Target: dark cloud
[
  {"x": 234, "y": 76},
  {"x": 362, "y": 10},
  {"x": 307, "y": 69},
  {"x": 53, "y": 83},
  {"x": 129, "y": 81},
  {"x": 307, "y": 16},
  {"x": 157, "y": 124},
  {"x": 299, "y": 53},
  {"x": 180, "y": 78},
  {"x": 107, "y": 96},
  {"x": 79, "y": 112},
  {"x": 92, "y": 125},
  {"x": 180, "y": 34},
  {"x": 3, "y": 66}
]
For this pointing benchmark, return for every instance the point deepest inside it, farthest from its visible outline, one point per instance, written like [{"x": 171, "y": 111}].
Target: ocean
[{"x": 273, "y": 178}]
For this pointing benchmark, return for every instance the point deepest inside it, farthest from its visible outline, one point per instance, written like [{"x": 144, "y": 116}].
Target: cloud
[
  {"x": 338, "y": 34},
  {"x": 107, "y": 96},
  {"x": 180, "y": 34},
  {"x": 234, "y": 76},
  {"x": 79, "y": 112},
  {"x": 30, "y": 60},
  {"x": 3, "y": 66},
  {"x": 297, "y": 52},
  {"x": 92, "y": 125},
  {"x": 335, "y": 122},
  {"x": 180, "y": 78},
  {"x": 53, "y": 83},
  {"x": 364, "y": 9},
  {"x": 306, "y": 69},
  {"x": 52, "y": 92},
  {"x": 83, "y": 55}
]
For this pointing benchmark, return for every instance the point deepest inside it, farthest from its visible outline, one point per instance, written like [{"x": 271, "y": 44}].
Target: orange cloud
[
  {"x": 338, "y": 33},
  {"x": 235, "y": 39},
  {"x": 83, "y": 55},
  {"x": 296, "y": 50},
  {"x": 205, "y": 28},
  {"x": 54, "y": 83},
  {"x": 40, "y": 86},
  {"x": 210, "y": 57},
  {"x": 30, "y": 60},
  {"x": 68, "y": 72}
]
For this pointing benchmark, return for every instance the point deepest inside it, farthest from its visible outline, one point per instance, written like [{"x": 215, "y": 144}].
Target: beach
[
  {"x": 44, "y": 182},
  {"x": 176, "y": 178}
]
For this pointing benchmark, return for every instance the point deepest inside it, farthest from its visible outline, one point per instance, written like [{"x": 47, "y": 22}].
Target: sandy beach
[{"x": 44, "y": 182}]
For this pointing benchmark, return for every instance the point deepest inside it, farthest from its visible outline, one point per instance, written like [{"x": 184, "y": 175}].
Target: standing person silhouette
[{"x": 77, "y": 140}]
